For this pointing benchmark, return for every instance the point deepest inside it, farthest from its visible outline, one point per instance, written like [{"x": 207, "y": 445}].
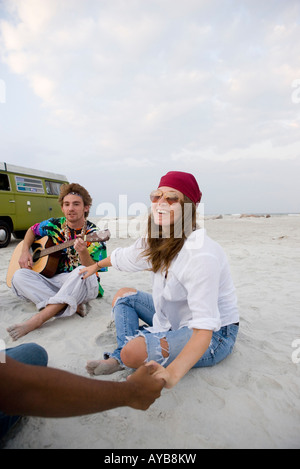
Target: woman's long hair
[{"x": 163, "y": 245}]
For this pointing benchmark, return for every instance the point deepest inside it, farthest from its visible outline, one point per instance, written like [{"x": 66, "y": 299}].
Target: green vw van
[{"x": 27, "y": 196}]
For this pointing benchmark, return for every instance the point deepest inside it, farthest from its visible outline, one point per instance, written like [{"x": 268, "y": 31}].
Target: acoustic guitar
[{"x": 46, "y": 255}]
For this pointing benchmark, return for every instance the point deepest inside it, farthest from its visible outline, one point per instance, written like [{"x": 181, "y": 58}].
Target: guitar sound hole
[{"x": 36, "y": 255}]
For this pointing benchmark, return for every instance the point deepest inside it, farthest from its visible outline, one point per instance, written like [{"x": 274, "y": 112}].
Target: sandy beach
[{"x": 250, "y": 400}]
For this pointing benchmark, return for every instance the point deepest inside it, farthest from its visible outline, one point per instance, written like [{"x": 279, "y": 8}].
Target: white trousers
[{"x": 66, "y": 288}]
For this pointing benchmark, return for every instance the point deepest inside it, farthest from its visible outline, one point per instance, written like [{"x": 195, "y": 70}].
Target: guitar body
[
  {"x": 46, "y": 255},
  {"x": 46, "y": 265},
  {"x": 14, "y": 264}
]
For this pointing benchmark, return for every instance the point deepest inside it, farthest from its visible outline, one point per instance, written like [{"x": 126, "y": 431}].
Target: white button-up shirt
[{"x": 198, "y": 291}]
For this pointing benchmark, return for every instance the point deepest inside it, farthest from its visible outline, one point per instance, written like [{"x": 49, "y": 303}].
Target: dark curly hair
[{"x": 77, "y": 189}]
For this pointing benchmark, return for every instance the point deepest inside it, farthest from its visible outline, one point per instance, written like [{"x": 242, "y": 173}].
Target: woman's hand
[
  {"x": 92, "y": 269},
  {"x": 144, "y": 387},
  {"x": 86, "y": 272},
  {"x": 162, "y": 373},
  {"x": 187, "y": 358}
]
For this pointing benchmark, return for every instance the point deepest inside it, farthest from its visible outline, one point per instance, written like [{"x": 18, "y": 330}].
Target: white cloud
[
  {"x": 256, "y": 151},
  {"x": 43, "y": 87},
  {"x": 159, "y": 83},
  {"x": 34, "y": 13}
]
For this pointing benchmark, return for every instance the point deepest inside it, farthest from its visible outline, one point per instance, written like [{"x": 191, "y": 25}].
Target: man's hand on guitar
[
  {"x": 25, "y": 260},
  {"x": 80, "y": 245}
]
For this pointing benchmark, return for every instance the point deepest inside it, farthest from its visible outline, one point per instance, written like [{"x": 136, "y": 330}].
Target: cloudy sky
[{"x": 115, "y": 93}]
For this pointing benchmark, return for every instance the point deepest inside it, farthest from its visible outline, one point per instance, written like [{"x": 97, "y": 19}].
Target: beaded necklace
[{"x": 73, "y": 255}]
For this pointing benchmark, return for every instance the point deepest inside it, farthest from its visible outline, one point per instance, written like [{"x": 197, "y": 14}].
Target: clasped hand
[{"x": 159, "y": 372}]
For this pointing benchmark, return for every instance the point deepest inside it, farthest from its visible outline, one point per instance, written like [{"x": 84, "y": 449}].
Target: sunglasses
[{"x": 170, "y": 197}]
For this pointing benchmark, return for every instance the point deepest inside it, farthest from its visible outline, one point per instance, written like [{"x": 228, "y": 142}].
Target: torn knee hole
[
  {"x": 122, "y": 294},
  {"x": 164, "y": 347}
]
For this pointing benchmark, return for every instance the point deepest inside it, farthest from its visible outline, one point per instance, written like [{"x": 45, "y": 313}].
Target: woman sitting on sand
[{"x": 192, "y": 313}]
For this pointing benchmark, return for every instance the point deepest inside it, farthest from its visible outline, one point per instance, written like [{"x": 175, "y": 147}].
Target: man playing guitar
[{"x": 64, "y": 293}]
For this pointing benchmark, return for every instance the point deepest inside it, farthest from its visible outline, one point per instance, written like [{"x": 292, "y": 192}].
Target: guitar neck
[
  {"x": 98, "y": 237},
  {"x": 56, "y": 248}
]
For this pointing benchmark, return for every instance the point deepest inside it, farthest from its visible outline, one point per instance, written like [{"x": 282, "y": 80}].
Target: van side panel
[
  {"x": 33, "y": 204},
  {"x": 29, "y": 210},
  {"x": 54, "y": 208},
  {"x": 28, "y": 198}
]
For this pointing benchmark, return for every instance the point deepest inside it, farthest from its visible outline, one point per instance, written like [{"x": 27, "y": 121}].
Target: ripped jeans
[{"x": 130, "y": 309}]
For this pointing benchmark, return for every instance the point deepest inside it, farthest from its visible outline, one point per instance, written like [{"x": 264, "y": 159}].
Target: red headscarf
[{"x": 183, "y": 182}]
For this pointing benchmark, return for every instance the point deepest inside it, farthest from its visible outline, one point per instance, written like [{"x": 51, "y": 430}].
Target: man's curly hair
[{"x": 77, "y": 189}]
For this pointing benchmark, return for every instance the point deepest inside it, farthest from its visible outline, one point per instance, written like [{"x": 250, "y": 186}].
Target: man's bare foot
[
  {"x": 19, "y": 330},
  {"x": 81, "y": 310},
  {"x": 103, "y": 367}
]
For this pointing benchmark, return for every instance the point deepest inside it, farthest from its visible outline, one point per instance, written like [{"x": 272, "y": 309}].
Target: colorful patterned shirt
[{"x": 54, "y": 229}]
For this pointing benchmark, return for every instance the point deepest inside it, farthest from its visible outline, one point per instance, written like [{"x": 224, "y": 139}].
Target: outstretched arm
[
  {"x": 92, "y": 269},
  {"x": 48, "y": 392},
  {"x": 188, "y": 357}
]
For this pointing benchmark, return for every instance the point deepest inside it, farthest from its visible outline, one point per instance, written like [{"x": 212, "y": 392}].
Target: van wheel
[
  {"x": 5, "y": 234},
  {"x": 19, "y": 234}
]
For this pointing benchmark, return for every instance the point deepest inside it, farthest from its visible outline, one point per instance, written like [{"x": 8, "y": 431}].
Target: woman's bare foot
[{"x": 103, "y": 367}]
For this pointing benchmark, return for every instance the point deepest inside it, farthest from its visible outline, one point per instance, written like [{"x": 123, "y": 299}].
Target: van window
[
  {"x": 4, "y": 182},
  {"x": 25, "y": 184},
  {"x": 53, "y": 188}
]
